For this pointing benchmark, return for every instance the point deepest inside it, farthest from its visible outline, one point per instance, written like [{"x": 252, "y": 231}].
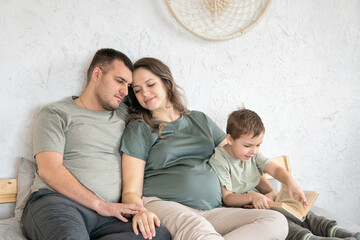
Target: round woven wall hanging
[{"x": 218, "y": 19}]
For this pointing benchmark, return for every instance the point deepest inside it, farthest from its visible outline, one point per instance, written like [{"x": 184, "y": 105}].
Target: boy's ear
[{"x": 229, "y": 139}]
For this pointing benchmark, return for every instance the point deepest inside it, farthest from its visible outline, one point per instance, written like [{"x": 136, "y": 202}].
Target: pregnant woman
[{"x": 165, "y": 152}]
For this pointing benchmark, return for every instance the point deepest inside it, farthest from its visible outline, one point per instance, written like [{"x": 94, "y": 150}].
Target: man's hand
[
  {"x": 118, "y": 210},
  {"x": 59, "y": 178}
]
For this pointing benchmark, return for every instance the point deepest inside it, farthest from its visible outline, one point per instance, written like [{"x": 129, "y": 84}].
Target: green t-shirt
[
  {"x": 235, "y": 175},
  {"x": 177, "y": 166},
  {"x": 89, "y": 142}
]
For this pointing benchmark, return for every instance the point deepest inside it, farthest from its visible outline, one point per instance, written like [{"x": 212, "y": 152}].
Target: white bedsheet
[{"x": 10, "y": 229}]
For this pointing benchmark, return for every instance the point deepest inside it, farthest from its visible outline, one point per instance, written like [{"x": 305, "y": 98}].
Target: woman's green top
[{"x": 177, "y": 167}]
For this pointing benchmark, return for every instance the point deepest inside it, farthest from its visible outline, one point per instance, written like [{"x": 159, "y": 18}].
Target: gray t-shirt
[
  {"x": 235, "y": 175},
  {"x": 177, "y": 166},
  {"x": 89, "y": 142}
]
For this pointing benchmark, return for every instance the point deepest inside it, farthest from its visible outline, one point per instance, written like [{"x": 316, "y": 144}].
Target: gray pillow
[
  {"x": 10, "y": 229},
  {"x": 26, "y": 174}
]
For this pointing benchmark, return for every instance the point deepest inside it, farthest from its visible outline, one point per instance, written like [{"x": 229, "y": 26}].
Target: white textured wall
[{"x": 299, "y": 68}]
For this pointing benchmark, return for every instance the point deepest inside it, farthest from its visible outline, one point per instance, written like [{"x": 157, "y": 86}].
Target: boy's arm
[
  {"x": 284, "y": 177},
  {"x": 266, "y": 188},
  {"x": 231, "y": 199}
]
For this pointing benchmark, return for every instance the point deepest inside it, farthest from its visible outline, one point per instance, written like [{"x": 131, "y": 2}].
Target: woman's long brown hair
[{"x": 157, "y": 67}]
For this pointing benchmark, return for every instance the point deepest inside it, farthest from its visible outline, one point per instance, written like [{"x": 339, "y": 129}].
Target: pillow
[
  {"x": 26, "y": 174},
  {"x": 10, "y": 229}
]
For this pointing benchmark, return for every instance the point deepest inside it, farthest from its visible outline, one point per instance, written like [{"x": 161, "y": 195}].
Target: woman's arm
[
  {"x": 231, "y": 199},
  {"x": 133, "y": 180},
  {"x": 132, "y": 170}
]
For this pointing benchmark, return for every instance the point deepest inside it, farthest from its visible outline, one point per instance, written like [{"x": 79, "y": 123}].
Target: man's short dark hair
[{"x": 104, "y": 58}]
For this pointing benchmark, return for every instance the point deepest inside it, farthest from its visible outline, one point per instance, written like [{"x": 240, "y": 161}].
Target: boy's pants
[
  {"x": 220, "y": 223},
  {"x": 50, "y": 215},
  {"x": 317, "y": 225}
]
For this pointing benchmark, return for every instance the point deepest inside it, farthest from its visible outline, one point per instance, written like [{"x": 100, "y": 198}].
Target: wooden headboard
[
  {"x": 283, "y": 162},
  {"x": 8, "y": 190}
]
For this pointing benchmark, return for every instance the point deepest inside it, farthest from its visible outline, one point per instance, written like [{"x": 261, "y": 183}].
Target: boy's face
[{"x": 245, "y": 147}]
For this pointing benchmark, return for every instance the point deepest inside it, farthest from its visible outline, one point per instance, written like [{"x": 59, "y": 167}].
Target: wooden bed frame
[
  {"x": 283, "y": 162},
  {"x": 9, "y": 189}
]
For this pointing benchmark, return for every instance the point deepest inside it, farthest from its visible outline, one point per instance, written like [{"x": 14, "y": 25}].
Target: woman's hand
[
  {"x": 145, "y": 221},
  {"x": 260, "y": 201}
]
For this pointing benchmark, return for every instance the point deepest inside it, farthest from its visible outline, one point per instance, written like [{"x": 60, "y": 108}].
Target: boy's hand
[
  {"x": 260, "y": 201},
  {"x": 284, "y": 177},
  {"x": 295, "y": 189}
]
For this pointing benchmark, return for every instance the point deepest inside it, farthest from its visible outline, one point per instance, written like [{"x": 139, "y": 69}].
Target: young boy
[{"x": 239, "y": 166}]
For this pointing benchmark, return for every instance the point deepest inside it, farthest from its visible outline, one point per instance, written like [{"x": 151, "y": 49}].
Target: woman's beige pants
[{"x": 185, "y": 223}]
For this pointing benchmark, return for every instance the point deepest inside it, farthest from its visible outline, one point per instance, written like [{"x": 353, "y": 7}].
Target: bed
[{"x": 18, "y": 190}]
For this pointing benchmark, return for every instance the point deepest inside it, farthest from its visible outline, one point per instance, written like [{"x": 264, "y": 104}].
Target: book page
[
  {"x": 295, "y": 203},
  {"x": 282, "y": 195},
  {"x": 287, "y": 210},
  {"x": 309, "y": 195}
]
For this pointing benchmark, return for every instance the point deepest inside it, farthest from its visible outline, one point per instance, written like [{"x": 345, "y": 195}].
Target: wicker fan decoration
[{"x": 218, "y": 19}]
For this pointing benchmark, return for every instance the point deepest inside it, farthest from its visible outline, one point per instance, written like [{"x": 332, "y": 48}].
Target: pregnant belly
[{"x": 185, "y": 185}]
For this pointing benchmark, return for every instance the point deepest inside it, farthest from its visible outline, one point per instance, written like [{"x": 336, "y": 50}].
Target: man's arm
[{"x": 59, "y": 178}]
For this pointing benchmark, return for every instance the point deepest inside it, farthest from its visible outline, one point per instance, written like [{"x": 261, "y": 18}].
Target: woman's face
[{"x": 149, "y": 90}]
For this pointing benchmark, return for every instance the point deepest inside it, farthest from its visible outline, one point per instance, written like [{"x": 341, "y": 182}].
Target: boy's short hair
[{"x": 244, "y": 121}]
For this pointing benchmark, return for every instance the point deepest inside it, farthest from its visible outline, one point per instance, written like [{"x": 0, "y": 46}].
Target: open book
[{"x": 293, "y": 208}]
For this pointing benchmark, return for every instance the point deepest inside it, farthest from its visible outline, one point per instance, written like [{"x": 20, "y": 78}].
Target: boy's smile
[{"x": 245, "y": 147}]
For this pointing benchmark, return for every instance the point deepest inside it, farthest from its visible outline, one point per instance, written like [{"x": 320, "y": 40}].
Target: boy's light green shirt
[{"x": 235, "y": 175}]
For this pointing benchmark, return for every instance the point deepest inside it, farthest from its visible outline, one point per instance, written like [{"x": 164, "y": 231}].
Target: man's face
[{"x": 112, "y": 86}]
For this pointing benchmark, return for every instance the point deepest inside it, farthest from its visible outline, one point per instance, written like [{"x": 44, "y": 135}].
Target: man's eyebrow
[{"x": 121, "y": 78}]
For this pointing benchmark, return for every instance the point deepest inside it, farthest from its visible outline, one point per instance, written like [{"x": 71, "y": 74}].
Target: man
[{"x": 76, "y": 141}]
